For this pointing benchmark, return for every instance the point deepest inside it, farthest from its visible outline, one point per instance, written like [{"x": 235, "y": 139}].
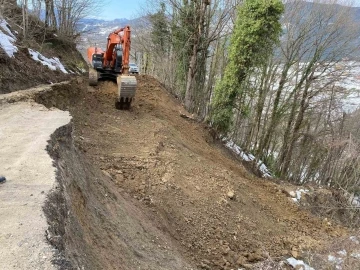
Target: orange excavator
[{"x": 113, "y": 64}]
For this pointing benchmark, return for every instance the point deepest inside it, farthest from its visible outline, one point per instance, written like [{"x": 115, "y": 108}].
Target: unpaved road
[{"x": 25, "y": 128}]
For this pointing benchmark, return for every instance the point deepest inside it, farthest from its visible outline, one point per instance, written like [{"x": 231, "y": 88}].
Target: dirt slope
[
  {"x": 183, "y": 179},
  {"x": 100, "y": 227}
]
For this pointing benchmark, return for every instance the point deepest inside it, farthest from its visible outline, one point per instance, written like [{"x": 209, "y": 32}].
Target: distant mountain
[
  {"x": 357, "y": 14},
  {"x": 308, "y": 5},
  {"x": 93, "y": 25},
  {"x": 94, "y": 31}
]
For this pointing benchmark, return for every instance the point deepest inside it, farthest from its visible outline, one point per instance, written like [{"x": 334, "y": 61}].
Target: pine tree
[{"x": 160, "y": 33}]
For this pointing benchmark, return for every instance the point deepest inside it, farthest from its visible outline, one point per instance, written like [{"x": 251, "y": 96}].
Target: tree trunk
[
  {"x": 190, "y": 81},
  {"x": 295, "y": 134},
  {"x": 25, "y": 17},
  {"x": 264, "y": 144},
  {"x": 189, "y": 93}
]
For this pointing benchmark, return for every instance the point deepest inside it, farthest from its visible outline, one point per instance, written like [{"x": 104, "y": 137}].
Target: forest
[{"x": 267, "y": 75}]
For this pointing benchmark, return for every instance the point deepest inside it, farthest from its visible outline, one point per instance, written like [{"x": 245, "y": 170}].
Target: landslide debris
[
  {"x": 217, "y": 214},
  {"x": 94, "y": 225}
]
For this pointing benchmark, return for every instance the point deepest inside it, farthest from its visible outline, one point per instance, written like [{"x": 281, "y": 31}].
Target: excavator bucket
[{"x": 126, "y": 91}]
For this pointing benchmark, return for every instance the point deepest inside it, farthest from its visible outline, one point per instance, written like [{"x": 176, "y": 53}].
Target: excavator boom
[{"x": 113, "y": 64}]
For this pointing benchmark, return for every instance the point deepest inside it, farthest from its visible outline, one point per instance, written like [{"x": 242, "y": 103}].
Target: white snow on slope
[
  {"x": 298, "y": 194},
  {"x": 7, "y": 39},
  {"x": 52, "y": 63},
  {"x": 4, "y": 26},
  {"x": 230, "y": 144},
  {"x": 298, "y": 264}
]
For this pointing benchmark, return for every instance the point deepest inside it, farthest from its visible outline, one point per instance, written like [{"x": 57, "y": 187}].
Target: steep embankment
[
  {"x": 38, "y": 58},
  {"x": 201, "y": 200}
]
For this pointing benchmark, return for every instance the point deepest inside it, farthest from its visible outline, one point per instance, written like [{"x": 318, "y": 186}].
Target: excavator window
[{"x": 118, "y": 47}]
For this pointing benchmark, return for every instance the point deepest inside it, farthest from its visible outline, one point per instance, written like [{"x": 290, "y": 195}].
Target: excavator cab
[
  {"x": 119, "y": 56},
  {"x": 97, "y": 60}
]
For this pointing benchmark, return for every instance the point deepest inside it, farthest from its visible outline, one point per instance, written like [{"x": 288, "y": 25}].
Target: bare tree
[{"x": 293, "y": 101}]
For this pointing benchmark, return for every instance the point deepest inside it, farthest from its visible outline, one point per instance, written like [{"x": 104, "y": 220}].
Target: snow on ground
[
  {"x": 355, "y": 240},
  {"x": 297, "y": 194},
  {"x": 298, "y": 264},
  {"x": 340, "y": 258},
  {"x": 354, "y": 200},
  {"x": 53, "y": 63},
  {"x": 7, "y": 39},
  {"x": 230, "y": 144},
  {"x": 4, "y": 25}
]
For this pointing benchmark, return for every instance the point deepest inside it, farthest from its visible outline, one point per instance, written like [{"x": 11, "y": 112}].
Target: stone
[
  {"x": 289, "y": 192},
  {"x": 295, "y": 254},
  {"x": 106, "y": 173},
  {"x": 2, "y": 179},
  {"x": 231, "y": 195}
]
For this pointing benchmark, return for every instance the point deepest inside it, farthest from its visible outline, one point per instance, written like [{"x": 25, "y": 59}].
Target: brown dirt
[
  {"x": 94, "y": 225},
  {"x": 217, "y": 214},
  {"x": 22, "y": 72}
]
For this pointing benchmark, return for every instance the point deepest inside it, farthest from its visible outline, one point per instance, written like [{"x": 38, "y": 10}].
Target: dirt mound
[
  {"x": 94, "y": 224},
  {"x": 220, "y": 215}
]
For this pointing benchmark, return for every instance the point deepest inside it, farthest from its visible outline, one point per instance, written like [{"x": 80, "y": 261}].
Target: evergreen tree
[{"x": 160, "y": 34}]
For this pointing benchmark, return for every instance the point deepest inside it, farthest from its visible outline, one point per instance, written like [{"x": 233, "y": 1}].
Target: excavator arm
[
  {"x": 120, "y": 37},
  {"x": 115, "y": 65}
]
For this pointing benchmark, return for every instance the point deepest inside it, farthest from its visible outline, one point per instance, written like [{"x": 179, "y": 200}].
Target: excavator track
[
  {"x": 126, "y": 91},
  {"x": 93, "y": 77}
]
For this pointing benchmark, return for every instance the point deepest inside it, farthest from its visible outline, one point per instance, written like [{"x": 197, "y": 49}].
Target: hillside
[
  {"x": 88, "y": 186},
  {"x": 211, "y": 210},
  {"x": 40, "y": 58},
  {"x": 143, "y": 189}
]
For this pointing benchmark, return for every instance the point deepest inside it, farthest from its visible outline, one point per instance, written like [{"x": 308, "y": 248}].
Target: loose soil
[{"x": 182, "y": 186}]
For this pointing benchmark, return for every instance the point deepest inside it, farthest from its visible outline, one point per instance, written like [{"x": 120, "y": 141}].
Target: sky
[{"x": 115, "y": 9}]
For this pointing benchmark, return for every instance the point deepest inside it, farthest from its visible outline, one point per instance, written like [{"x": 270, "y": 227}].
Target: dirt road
[
  {"x": 216, "y": 214},
  {"x": 25, "y": 128}
]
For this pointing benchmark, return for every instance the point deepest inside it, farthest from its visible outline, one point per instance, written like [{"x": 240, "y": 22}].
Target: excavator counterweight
[{"x": 113, "y": 64}]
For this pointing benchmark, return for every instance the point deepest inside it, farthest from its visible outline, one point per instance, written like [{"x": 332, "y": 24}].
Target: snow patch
[
  {"x": 336, "y": 260},
  {"x": 230, "y": 144},
  {"x": 4, "y": 26},
  {"x": 298, "y": 194},
  {"x": 298, "y": 263},
  {"x": 52, "y": 63},
  {"x": 354, "y": 239},
  {"x": 7, "y": 39}
]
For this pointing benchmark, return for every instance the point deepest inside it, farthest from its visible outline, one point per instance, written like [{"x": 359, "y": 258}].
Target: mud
[{"x": 149, "y": 189}]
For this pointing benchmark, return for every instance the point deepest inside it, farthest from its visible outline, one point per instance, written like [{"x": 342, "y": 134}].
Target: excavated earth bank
[
  {"x": 96, "y": 225},
  {"x": 149, "y": 189}
]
